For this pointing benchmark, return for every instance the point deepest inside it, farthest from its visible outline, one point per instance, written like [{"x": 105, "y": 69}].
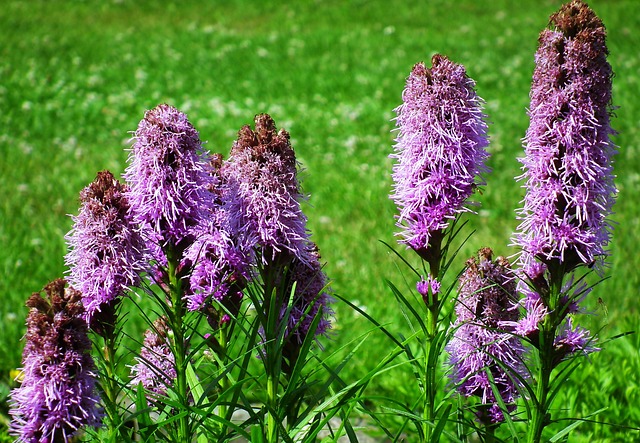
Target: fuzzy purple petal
[
  {"x": 155, "y": 367},
  {"x": 265, "y": 196},
  {"x": 168, "y": 177}
]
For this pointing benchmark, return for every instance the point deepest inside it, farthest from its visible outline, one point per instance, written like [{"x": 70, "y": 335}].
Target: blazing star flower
[
  {"x": 572, "y": 340},
  {"x": 220, "y": 269},
  {"x": 155, "y": 366},
  {"x": 440, "y": 151},
  {"x": 168, "y": 178},
  {"x": 486, "y": 294},
  {"x": 568, "y": 169},
  {"x": 261, "y": 173},
  {"x": 104, "y": 255},
  {"x": 423, "y": 287},
  {"x": 219, "y": 257},
  {"x": 57, "y": 396}
]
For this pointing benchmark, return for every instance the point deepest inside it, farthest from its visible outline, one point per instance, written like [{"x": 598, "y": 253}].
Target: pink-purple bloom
[
  {"x": 168, "y": 177},
  {"x": 481, "y": 344},
  {"x": 428, "y": 289},
  {"x": 568, "y": 170},
  {"x": 155, "y": 367},
  {"x": 105, "y": 248},
  {"x": 219, "y": 255},
  {"x": 440, "y": 150},
  {"x": 265, "y": 195},
  {"x": 57, "y": 396}
]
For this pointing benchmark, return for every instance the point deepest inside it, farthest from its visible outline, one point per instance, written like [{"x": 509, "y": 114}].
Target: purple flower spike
[
  {"x": 104, "y": 255},
  {"x": 155, "y": 367},
  {"x": 440, "y": 151},
  {"x": 168, "y": 178},
  {"x": 57, "y": 395},
  {"x": 485, "y": 299},
  {"x": 220, "y": 269},
  {"x": 219, "y": 256},
  {"x": 568, "y": 169},
  {"x": 262, "y": 176}
]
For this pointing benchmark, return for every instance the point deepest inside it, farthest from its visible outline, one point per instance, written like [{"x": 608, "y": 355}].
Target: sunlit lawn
[{"x": 76, "y": 77}]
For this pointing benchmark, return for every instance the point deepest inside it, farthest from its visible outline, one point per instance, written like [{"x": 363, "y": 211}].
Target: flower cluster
[
  {"x": 481, "y": 345},
  {"x": 105, "y": 249},
  {"x": 168, "y": 177},
  {"x": 57, "y": 395},
  {"x": 262, "y": 172},
  {"x": 440, "y": 150},
  {"x": 155, "y": 367},
  {"x": 568, "y": 171}
]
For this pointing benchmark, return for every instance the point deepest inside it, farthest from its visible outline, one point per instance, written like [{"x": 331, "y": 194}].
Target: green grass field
[{"x": 76, "y": 77}]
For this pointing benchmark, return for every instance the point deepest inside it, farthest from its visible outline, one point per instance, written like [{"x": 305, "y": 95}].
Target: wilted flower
[
  {"x": 57, "y": 395},
  {"x": 568, "y": 169},
  {"x": 480, "y": 342},
  {"x": 155, "y": 367},
  {"x": 311, "y": 298},
  {"x": 261, "y": 175},
  {"x": 440, "y": 151},
  {"x": 168, "y": 179},
  {"x": 105, "y": 249}
]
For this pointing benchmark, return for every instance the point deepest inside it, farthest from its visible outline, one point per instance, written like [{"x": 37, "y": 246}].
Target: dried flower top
[
  {"x": 568, "y": 165},
  {"x": 263, "y": 190},
  {"x": 487, "y": 291},
  {"x": 440, "y": 150}
]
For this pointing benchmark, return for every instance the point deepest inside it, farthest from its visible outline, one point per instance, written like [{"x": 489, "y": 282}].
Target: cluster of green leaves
[{"x": 76, "y": 76}]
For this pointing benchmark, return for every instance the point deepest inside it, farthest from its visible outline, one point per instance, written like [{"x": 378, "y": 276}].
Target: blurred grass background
[{"x": 77, "y": 76}]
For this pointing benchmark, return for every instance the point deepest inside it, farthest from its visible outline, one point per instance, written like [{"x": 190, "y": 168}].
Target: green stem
[
  {"x": 180, "y": 351},
  {"x": 272, "y": 400},
  {"x": 540, "y": 417},
  {"x": 540, "y": 413},
  {"x": 225, "y": 383},
  {"x": 431, "y": 351},
  {"x": 271, "y": 359},
  {"x": 111, "y": 389},
  {"x": 490, "y": 433}
]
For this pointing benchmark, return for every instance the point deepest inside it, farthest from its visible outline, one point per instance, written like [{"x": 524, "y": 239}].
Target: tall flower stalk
[
  {"x": 440, "y": 155},
  {"x": 169, "y": 194},
  {"x": 261, "y": 174},
  {"x": 569, "y": 190}
]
